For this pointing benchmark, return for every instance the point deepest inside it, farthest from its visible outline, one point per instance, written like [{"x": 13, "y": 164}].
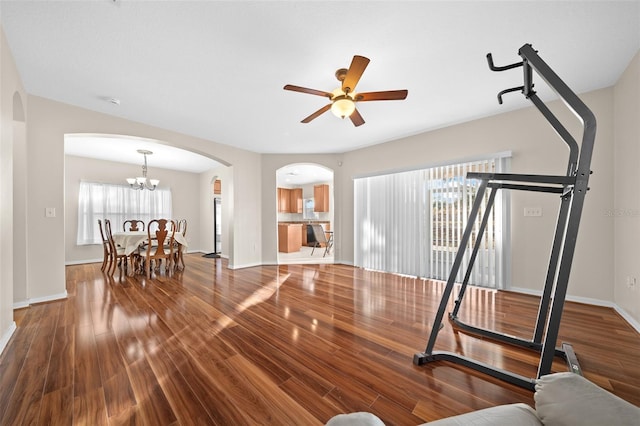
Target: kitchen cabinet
[
  {"x": 295, "y": 205},
  {"x": 321, "y": 198},
  {"x": 289, "y": 237},
  {"x": 284, "y": 200},
  {"x": 290, "y": 200}
]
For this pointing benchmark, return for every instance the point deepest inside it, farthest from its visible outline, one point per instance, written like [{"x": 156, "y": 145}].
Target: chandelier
[{"x": 142, "y": 182}]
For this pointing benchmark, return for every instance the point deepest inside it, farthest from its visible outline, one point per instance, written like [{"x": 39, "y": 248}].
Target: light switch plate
[{"x": 50, "y": 212}]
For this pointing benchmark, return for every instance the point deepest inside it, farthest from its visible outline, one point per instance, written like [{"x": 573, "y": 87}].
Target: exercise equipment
[{"x": 571, "y": 188}]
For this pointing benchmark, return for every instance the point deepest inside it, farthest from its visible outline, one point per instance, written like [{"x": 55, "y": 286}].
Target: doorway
[
  {"x": 216, "y": 187},
  {"x": 304, "y": 197}
]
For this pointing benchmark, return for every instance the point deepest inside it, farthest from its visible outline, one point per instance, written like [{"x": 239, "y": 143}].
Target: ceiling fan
[{"x": 344, "y": 98}]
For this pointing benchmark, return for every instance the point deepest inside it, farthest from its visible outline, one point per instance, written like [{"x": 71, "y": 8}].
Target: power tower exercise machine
[{"x": 571, "y": 189}]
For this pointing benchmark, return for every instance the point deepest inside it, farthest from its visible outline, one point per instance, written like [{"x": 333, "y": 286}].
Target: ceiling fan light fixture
[
  {"x": 344, "y": 98},
  {"x": 343, "y": 106}
]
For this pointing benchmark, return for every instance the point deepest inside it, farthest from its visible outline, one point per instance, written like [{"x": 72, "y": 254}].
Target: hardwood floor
[{"x": 282, "y": 345}]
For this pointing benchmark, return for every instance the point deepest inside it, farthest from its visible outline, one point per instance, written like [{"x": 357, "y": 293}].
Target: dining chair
[
  {"x": 321, "y": 238},
  {"x": 106, "y": 249},
  {"x": 118, "y": 256},
  {"x": 182, "y": 229},
  {"x": 163, "y": 246},
  {"x": 133, "y": 225}
]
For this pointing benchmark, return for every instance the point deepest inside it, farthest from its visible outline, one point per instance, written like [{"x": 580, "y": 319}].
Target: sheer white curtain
[
  {"x": 412, "y": 222},
  {"x": 117, "y": 203}
]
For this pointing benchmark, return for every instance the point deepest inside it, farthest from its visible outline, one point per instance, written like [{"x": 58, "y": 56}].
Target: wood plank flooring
[{"x": 281, "y": 345}]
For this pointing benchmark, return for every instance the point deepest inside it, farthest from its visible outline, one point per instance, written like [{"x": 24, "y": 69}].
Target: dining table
[{"x": 131, "y": 240}]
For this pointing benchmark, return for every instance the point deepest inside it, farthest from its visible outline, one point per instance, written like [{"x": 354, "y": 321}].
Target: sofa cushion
[
  {"x": 360, "y": 418},
  {"x": 570, "y": 399}
]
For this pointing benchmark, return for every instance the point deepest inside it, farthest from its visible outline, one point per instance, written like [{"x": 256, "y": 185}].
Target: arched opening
[
  {"x": 111, "y": 159},
  {"x": 305, "y": 214}
]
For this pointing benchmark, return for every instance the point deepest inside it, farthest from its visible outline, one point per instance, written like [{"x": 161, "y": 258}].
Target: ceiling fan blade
[
  {"x": 307, "y": 90},
  {"x": 357, "y": 67},
  {"x": 356, "y": 118},
  {"x": 317, "y": 113},
  {"x": 389, "y": 95}
]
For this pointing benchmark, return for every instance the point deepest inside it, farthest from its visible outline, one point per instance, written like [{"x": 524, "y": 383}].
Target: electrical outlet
[
  {"x": 631, "y": 282},
  {"x": 50, "y": 212},
  {"x": 533, "y": 211}
]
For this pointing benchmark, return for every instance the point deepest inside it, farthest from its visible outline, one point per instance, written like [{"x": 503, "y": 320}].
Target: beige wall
[
  {"x": 626, "y": 207},
  {"x": 13, "y": 112},
  {"x": 185, "y": 194}
]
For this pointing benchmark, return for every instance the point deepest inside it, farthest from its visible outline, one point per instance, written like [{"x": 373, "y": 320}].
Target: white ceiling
[
  {"x": 302, "y": 174},
  {"x": 216, "y": 69}
]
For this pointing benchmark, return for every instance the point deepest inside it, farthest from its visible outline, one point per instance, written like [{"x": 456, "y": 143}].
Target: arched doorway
[
  {"x": 304, "y": 198},
  {"x": 106, "y": 163}
]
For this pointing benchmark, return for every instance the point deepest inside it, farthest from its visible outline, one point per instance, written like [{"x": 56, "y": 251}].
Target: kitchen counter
[
  {"x": 289, "y": 237},
  {"x": 306, "y": 234}
]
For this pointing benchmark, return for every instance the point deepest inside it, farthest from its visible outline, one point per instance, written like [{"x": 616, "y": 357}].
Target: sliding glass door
[{"x": 412, "y": 222}]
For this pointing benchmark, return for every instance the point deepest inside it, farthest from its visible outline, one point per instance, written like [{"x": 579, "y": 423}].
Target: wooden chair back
[
  {"x": 106, "y": 248},
  {"x": 117, "y": 255},
  {"x": 161, "y": 243},
  {"x": 182, "y": 227},
  {"x": 133, "y": 225}
]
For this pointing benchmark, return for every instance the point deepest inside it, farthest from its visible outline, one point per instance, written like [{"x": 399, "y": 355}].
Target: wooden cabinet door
[
  {"x": 321, "y": 198},
  {"x": 284, "y": 200},
  {"x": 304, "y": 235},
  {"x": 296, "y": 200}
]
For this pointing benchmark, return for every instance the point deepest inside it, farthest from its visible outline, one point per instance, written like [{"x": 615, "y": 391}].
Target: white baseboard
[
  {"x": 624, "y": 314},
  {"x": 246, "y": 265},
  {"x": 49, "y": 298},
  {"x": 21, "y": 304},
  {"x": 588, "y": 301},
  {"x": 82, "y": 262},
  {"x": 7, "y": 335}
]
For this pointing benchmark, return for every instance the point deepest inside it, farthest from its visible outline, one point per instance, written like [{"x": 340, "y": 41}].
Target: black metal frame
[{"x": 572, "y": 188}]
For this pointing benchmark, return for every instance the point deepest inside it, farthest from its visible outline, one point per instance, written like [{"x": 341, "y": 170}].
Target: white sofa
[{"x": 560, "y": 399}]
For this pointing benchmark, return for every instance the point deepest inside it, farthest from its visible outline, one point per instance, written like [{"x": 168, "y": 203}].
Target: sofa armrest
[{"x": 570, "y": 399}]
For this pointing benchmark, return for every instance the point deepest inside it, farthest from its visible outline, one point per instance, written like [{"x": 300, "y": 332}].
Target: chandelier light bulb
[{"x": 141, "y": 181}]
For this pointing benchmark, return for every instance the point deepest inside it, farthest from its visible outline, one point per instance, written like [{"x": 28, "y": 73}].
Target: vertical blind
[
  {"x": 412, "y": 223},
  {"x": 117, "y": 203}
]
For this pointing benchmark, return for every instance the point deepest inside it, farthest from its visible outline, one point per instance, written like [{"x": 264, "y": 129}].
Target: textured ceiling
[{"x": 216, "y": 70}]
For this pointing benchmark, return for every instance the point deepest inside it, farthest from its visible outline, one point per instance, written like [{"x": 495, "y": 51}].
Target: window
[
  {"x": 117, "y": 203},
  {"x": 412, "y": 223}
]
